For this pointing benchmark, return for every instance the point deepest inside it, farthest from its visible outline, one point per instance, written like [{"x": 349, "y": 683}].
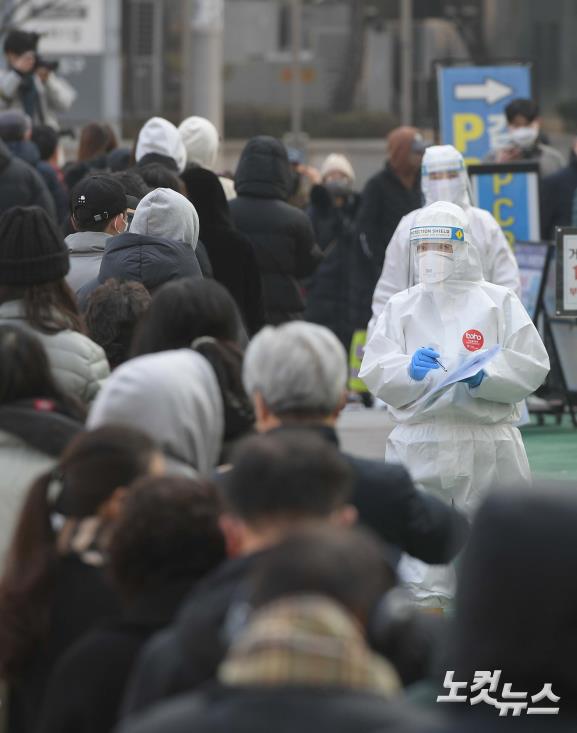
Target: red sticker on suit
[{"x": 473, "y": 340}]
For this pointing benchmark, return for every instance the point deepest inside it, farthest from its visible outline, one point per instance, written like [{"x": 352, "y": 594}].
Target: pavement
[{"x": 551, "y": 448}]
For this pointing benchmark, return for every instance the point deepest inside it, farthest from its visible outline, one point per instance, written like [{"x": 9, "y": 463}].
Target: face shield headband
[{"x": 432, "y": 253}]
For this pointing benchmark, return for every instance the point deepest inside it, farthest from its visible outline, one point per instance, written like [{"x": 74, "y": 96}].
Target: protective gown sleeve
[
  {"x": 385, "y": 366},
  {"x": 522, "y": 364},
  {"x": 504, "y": 268},
  {"x": 395, "y": 274}
]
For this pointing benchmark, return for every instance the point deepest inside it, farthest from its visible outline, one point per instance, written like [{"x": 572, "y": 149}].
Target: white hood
[
  {"x": 200, "y": 138},
  {"x": 166, "y": 214},
  {"x": 445, "y": 159},
  {"x": 442, "y": 214},
  {"x": 174, "y": 397},
  {"x": 161, "y": 137}
]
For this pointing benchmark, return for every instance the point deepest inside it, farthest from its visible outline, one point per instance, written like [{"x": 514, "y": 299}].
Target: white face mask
[
  {"x": 434, "y": 267},
  {"x": 524, "y": 137},
  {"x": 453, "y": 190}
]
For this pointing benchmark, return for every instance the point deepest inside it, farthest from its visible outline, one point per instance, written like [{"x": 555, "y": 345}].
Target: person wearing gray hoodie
[
  {"x": 160, "y": 245},
  {"x": 174, "y": 397}
]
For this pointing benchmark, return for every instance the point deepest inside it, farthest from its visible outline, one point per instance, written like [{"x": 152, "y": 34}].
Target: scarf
[{"x": 306, "y": 640}]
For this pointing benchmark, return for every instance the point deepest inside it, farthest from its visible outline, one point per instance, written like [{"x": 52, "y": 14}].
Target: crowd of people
[{"x": 184, "y": 543}]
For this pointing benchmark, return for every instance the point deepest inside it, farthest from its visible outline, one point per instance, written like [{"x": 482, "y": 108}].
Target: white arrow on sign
[{"x": 490, "y": 90}]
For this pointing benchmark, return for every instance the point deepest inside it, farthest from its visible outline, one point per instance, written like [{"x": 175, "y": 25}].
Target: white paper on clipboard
[{"x": 467, "y": 369}]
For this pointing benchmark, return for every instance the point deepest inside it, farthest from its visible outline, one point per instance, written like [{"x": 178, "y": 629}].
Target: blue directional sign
[
  {"x": 472, "y": 100},
  {"x": 510, "y": 191}
]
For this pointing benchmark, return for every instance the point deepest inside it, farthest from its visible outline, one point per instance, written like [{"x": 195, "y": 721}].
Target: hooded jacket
[
  {"x": 200, "y": 138},
  {"x": 231, "y": 254},
  {"x": 159, "y": 246},
  {"x": 159, "y": 137},
  {"x": 281, "y": 234},
  {"x": 20, "y": 184},
  {"x": 173, "y": 396}
]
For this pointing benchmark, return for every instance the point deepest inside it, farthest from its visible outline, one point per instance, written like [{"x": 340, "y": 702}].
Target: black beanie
[{"x": 32, "y": 250}]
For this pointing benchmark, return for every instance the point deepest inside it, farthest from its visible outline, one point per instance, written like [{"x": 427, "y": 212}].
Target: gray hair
[{"x": 296, "y": 367}]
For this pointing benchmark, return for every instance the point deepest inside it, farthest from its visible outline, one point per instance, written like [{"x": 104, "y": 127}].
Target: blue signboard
[
  {"x": 510, "y": 191},
  {"x": 471, "y": 104}
]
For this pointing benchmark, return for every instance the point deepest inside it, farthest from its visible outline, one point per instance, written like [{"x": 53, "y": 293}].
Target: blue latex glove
[
  {"x": 422, "y": 361},
  {"x": 475, "y": 380}
]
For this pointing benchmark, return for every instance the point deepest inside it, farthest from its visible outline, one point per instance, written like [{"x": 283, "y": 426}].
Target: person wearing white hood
[
  {"x": 174, "y": 397},
  {"x": 444, "y": 178},
  {"x": 159, "y": 247},
  {"x": 159, "y": 142},
  {"x": 462, "y": 440},
  {"x": 201, "y": 142}
]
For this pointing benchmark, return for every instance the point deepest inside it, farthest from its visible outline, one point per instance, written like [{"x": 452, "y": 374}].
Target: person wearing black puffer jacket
[
  {"x": 282, "y": 235},
  {"x": 159, "y": 247}
]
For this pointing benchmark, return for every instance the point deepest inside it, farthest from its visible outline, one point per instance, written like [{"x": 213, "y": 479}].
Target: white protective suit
[
  {"x": 497, "y": 259},
  {"x": 465, "y": 440}
]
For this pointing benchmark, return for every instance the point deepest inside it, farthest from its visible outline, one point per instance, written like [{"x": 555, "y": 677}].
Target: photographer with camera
[{"x": 30, "y": 83}]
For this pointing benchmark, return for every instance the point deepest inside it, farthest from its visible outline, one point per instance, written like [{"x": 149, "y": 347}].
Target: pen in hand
[{"x": 438, "y": 362}]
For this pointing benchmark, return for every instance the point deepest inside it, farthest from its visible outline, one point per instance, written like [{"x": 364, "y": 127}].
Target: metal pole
[
  {"x": 202, "y": 60},
  {"x": 406, "y": 61},
  {"x": 112, "y": 63},
  {"x": 296, "y": 82}
]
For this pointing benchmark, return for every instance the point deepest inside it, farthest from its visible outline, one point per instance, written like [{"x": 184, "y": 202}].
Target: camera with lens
[{"x": 42, "y": 63}]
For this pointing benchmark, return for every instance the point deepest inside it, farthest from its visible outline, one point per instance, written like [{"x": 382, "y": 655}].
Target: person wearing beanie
[
  {"x": 29, "y": 83},
  {"x": 159, "y": 142},
  {"x": 201, "y": 140},
  {"x": 159, "y": 247},
  {"x": 16, "y": 132},
  {"x": 98, "y": 208},
  {"x": 34, "y": 295},
  {"x": 333, "y": 209}
]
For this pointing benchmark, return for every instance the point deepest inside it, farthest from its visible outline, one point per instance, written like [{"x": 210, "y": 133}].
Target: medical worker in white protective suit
[
  {"x": 444, "y": 178},
  {"x": 465, "y": 440}
]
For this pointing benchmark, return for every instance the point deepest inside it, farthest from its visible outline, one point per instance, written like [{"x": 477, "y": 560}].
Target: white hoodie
[{"x": 161, "y": 137}]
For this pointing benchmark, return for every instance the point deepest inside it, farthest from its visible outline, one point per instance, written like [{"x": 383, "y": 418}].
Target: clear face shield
[
  {"x": 432, "y": 254},
  {"x": 451, "y": 184}
]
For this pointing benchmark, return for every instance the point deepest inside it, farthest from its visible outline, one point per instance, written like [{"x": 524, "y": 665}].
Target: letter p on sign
[{"x": 466, "y": 128}]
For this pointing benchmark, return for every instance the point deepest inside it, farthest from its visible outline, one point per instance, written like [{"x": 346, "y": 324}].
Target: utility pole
[
  {"x": 406, "y": 13},
  {"x": 202, "y": 60},
  {"x": 296, "y": 79}
]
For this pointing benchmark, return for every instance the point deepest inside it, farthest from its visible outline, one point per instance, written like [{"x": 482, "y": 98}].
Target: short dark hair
[
  {"x": 347, "y": 565},
  {"x": 113, "y": 312},
  {"x": 525, "y": 107},
  {"x": 132, "y": 183},
  {"x": 168, "y": 530},
  {"x": 19, "y": 42},
  {"x": 45, "y": 139},
  {"x": 290, "y": 473},
  {"x": 157, "y": 175}
]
